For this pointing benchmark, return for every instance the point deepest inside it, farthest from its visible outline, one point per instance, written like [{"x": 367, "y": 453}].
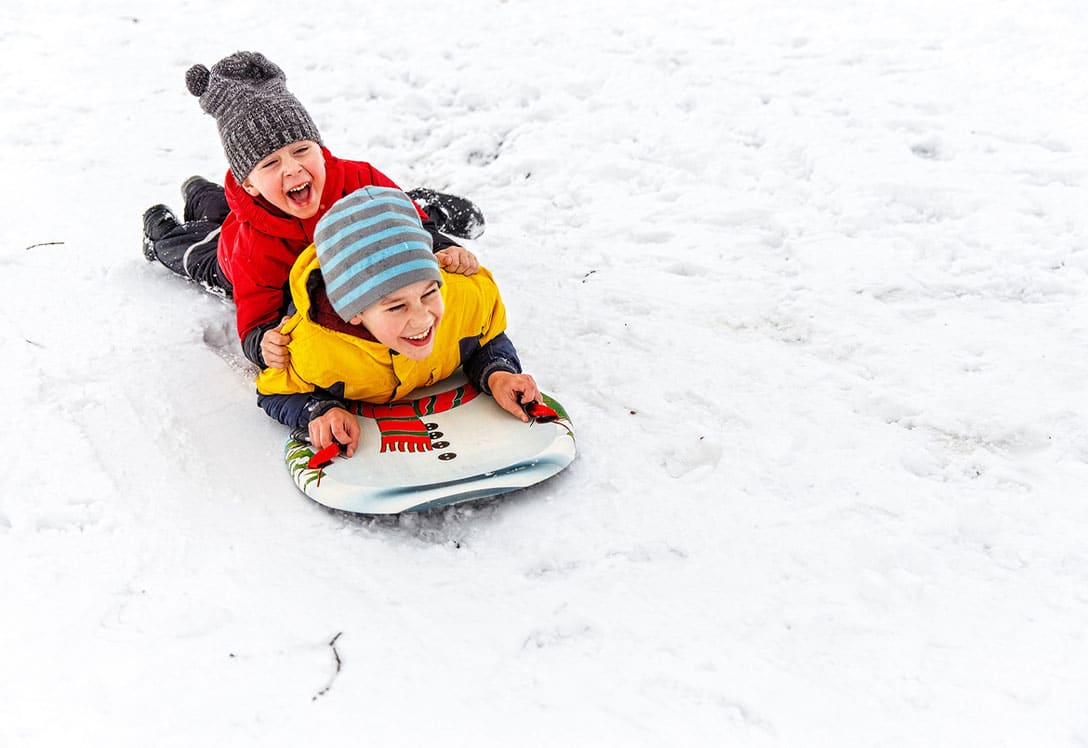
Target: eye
[
  {"x": 268, "y": 164},
  {"x": 394, "y": 309},
  {"x": 301, "y": 150}
]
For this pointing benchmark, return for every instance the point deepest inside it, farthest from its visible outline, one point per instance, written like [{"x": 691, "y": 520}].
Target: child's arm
[
  {"x": 496, "y": 369},
  {"x": 451, "y": 256},
  {"x": 321, "y": 414},
  {"x": 260, "y": 307},
  {"x": 273, "y": 343},
  {"x": 512, "y": 391},
  {"x": 335, "y": 425},
  {"x": 457, "y": 259},
  {"x": 497, "y": 354},
  {"x": 298, "y": 409},
  {"x": 266, "y": 346}
]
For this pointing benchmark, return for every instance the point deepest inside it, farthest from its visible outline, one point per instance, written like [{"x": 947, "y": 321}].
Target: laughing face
[
  {"x": 291, "y": 178},
  {"x": 406, "y": 320}
]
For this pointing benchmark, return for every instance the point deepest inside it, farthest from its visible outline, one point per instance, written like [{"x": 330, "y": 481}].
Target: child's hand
[
  {"x": 457, "y": 260},
  {"x": 511, "y": 390},
  {"x": 274, "y": 347},
  {"x": 335, "y": 425}
]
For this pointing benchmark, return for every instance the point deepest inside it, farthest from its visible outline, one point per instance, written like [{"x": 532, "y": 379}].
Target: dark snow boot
[
  {"x": 158, "y": 222},
  {"x": 452, "y": 214}
]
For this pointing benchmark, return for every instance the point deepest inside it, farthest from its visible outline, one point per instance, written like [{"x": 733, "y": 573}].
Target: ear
[{"x": 248, "y": 187}]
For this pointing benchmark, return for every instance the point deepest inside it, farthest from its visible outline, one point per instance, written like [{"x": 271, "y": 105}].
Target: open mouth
[
  {"x": 420, "y": 340},
  {"x": 300, "y": 195}
]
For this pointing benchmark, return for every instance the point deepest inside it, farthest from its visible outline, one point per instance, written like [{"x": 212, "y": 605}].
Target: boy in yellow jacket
[{"x": 375, "y": 318}]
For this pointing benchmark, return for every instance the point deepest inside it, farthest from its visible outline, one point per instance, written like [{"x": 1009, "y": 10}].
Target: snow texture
[{"x": 810, "y": 278}]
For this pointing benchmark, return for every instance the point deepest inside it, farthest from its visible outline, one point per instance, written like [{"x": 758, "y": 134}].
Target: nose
[
  {"x": 420, "y": 315},
  {"x": 291, "y": 165}
]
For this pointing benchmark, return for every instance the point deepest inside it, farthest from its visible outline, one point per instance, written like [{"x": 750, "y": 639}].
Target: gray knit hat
[
  {"x": 370, "y": 244},
  {"x": 255, "y": 112}
]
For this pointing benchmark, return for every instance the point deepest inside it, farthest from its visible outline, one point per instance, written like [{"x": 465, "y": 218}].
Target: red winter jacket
[{"x": 258, "y": 243}]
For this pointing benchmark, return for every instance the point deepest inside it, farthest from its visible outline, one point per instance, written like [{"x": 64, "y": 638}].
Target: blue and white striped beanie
[{"x": 370, "y": 244}]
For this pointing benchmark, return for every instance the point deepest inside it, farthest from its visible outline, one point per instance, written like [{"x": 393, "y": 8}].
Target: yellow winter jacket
[{"x": 354, "y": 368}]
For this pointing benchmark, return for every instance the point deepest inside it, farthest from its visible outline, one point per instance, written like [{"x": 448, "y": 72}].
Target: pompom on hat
[
  {"x": 370, "y": 244},
  {"x": 247, "y": 94}
]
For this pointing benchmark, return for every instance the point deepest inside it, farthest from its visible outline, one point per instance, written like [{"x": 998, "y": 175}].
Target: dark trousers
[{"x": 190, "y": 249}]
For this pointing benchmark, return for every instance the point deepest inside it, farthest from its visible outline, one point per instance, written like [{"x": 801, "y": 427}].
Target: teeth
[
  {"x": 421, "y": 336},
  {"x": 300, "y": 188}
]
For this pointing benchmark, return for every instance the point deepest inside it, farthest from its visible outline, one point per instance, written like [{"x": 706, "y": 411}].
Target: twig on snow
[
  {"x": 43, "y": 244},
  {"x": 336, "y": 655}
]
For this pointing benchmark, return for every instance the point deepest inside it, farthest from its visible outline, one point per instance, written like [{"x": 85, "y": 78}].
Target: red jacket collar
[{"x": 268, "y": 219}]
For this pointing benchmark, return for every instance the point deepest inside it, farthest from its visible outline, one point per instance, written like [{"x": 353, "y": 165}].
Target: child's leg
[
  {"x": 201, "y": 262},
  {"x": 190, "y": 250},
  {"x": 204, "y": 200},
  {"x": 457, "y": 216}
]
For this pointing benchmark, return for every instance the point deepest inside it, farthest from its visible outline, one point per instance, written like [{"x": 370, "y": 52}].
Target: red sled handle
[
  {"x": 540, "y": 412},
  {"x": 323, "y": 457}
]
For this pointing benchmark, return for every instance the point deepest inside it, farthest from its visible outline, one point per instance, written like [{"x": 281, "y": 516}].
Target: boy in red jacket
[{"x": 241, "y": 240}]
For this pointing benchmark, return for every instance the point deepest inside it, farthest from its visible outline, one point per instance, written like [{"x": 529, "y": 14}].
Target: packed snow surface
[{"x": 809, "y": 277}]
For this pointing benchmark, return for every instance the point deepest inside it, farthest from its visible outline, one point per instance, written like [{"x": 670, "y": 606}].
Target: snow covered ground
[{"x": 810, "y": 277}]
